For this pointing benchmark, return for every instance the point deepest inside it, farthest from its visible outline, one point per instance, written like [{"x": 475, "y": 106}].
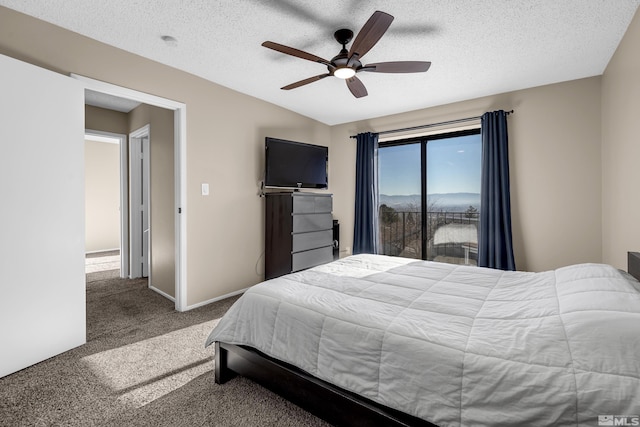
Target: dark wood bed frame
[
  {"x": 333, "y": 404},
  {"x": 633, "y": 264}
]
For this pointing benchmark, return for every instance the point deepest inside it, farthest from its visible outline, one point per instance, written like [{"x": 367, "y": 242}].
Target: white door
[
  {"x": 140, "y": 178},
  {"x": 42, "y": 280}
]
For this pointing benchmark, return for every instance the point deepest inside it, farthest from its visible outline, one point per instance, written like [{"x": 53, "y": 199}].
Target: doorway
[
  {"x": 96, "y": 202},
  {"x": 179, "y": 115}
]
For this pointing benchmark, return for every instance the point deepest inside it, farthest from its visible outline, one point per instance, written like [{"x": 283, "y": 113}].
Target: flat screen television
[{"x": 290, "y": 164}]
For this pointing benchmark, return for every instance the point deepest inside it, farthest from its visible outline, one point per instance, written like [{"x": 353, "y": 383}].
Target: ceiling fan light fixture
[{"x": 344, "y": 73}]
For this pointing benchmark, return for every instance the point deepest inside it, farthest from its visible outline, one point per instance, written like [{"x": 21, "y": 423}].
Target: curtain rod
[{"x": 450, "y": 122}]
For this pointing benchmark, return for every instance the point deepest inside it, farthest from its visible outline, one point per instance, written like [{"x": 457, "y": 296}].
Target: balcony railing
[{"x": 449, "y": 236}]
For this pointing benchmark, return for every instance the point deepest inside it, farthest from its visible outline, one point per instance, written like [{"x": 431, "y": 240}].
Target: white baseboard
[
  {"x": 164, "y": 294},
  {"x": 101, "y": 250},
  {"x": 200, "y": 304}
]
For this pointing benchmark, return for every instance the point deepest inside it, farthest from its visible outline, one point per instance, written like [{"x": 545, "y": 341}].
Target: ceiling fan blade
[
  {"x": 356, "y": 87},
  {"x": 370, "y": 33},
  {"x": 305, "y": 81},
  {"x": 397, "y": 67},
  {"x": 295, "y": 52}
]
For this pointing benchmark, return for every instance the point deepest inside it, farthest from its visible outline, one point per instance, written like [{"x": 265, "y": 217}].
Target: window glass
[
  {"x": 440, "y": 176},
  {"x": 400, "y": 195},
  {"x": 453, "y": 199}
]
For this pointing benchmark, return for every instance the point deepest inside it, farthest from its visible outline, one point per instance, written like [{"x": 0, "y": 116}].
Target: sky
[{"x": 453, "y": 166}]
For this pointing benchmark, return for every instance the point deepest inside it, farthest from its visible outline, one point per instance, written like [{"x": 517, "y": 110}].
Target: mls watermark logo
[{"x": 618, "y": 420}]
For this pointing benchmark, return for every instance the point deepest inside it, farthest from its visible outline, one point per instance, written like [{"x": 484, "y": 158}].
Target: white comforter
[{"x": 455, "y": 345}]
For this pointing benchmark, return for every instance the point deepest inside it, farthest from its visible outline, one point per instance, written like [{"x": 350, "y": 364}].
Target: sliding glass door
[{"x": 430, "y": 197}]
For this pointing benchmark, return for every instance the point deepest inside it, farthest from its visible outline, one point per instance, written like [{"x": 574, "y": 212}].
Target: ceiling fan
[{"x": 346, "y": 64}]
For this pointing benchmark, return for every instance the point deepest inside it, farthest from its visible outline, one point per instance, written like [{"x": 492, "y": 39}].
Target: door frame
[
  {"x": 139, "y": 182},
  {"x": 180, "y": 175},
  {"x": 124, "y": 196}
]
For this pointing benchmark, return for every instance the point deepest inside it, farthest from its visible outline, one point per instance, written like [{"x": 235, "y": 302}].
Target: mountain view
[{"x": 449, "y": 202}]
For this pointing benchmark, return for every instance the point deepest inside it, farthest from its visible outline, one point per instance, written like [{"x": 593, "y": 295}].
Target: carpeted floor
[{"x": 144, "y": 364}]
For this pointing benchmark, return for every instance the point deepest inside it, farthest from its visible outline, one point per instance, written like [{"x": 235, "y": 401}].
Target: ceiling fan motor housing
[
  {"x": 341, "y": 60},
  {"x": 343, "y": 36}
]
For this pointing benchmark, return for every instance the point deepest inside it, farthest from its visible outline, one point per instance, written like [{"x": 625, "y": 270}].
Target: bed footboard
[{"x": 326, "y": 401}]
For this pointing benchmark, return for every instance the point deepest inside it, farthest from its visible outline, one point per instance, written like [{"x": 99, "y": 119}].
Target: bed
[{"x": 378, "y": 340}]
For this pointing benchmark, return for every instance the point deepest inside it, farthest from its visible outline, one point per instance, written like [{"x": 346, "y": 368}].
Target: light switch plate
[{"x": 205, "y": 189}]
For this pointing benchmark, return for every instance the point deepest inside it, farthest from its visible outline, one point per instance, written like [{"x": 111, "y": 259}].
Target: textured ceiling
[{"x": 477, "y": 47}]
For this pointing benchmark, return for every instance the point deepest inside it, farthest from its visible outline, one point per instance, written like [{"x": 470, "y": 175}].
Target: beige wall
[
  {"x": 554, "y": 143},
  {"x": 225, "y": 144},
  {"x": 102, "y": 180},
  {"x": 567, "y": 187},
  {"x": 102, "y": 196},
  {"x": 162, "y": 194},
  {"x": 105, "y": 120},
  {"x": 621, "y": 150}
]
